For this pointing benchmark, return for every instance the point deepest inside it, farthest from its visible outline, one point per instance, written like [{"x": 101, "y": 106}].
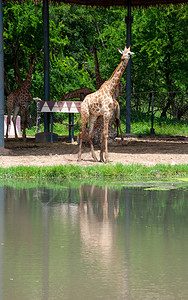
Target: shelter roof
[{"x": 108, "y": 3}]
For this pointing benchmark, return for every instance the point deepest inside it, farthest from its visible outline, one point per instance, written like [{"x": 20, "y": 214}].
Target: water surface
[{"x": 93, "y": 242}]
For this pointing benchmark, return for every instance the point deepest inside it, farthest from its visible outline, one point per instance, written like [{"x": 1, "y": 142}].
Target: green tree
[
  {"x": 159, "y": 40},
  {"x": 22, "y": 38}
]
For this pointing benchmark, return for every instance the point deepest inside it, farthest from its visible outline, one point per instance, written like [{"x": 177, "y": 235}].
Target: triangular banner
[
  {"x": 51, "y": 105},
  {"x": 73, "y": 108},
  {"x": 45, "y": 107},
  {"x": 69, "y": 104},
  {"x": 65, "y": 108},
  {"x": 78, "y": 105},
  {"x": 60, "y": 105},
  {"x": 41, "y": 105},
  {"x": 55, "y": 108}
]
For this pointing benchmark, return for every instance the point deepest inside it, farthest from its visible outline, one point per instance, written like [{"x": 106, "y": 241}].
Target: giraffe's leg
[
  {"x": 84, "y": 121},
  {"x": 82, "y": 134},
  {"x": 9, "y": 111},
  {"x": 8, "y": 122},
  {"x": 93, "y": 151},
  {"x": 105, "y": 139},
  {"x": 92, "y": 120},
  {"x": 24, "y": 122},
  {"x": 102, "y": 148},
  {"x": 119, "y": 125},
  {"x": 116, "y": 126},
  {"x": 117, "y": 119},
  {"x": 16, "y": 111},
  {"x": 80, "y": 145},
  {"x": 106, "y": 144}
]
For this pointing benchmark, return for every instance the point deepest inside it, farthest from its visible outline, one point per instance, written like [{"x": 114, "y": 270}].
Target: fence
[{"x": 173, "y": 104}]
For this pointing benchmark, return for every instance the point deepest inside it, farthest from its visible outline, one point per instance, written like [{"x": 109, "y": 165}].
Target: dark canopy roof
[{"x": 108, "y": 3}]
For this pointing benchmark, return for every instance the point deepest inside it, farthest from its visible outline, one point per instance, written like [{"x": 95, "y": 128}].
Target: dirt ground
[{"x": 134, "y": 150}]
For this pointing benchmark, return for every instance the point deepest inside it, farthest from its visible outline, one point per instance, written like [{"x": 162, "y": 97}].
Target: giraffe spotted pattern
[{"x": 102, "y": 103}]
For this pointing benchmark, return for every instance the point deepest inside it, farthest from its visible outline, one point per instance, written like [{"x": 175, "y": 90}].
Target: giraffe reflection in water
[{"x": 98, "y": 212}]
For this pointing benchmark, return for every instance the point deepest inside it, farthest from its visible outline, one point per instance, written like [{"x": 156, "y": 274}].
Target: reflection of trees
[
  {"x": 23, "y": 244},
  {"x": 18, "y": 209}
]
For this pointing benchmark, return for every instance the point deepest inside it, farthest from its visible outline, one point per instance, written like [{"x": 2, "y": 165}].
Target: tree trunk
[{"x": 170, "y": 102}]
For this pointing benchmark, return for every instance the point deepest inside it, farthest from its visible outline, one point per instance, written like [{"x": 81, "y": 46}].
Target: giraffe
[
  {"x": 79, "y": 93},
  {"x": 98, "y": 78},
  {"x": 99, "y": 81},
  {"x": 112, "y": 128},
  {"x": 102, "y": 103},
  {"x": 20, "y": 99}
]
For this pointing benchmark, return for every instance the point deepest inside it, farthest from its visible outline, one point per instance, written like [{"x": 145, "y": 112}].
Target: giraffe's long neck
[
  {"x": 27, "y": 81},
  {"x": 99, "y": 80},
  {"x": 76, "y": 93},
  {"x": 115, "y": 79}
]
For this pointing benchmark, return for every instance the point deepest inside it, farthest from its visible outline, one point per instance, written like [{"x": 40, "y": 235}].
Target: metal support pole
[
  {"x": 46, "y": 60},
  {"x": 72, "y": 137},
  {"x": 128, "y": 20},
  {"x": 71, "y": 127},
  {"x": 1, "y": 79},
  {"x": 51, "y": 122}
]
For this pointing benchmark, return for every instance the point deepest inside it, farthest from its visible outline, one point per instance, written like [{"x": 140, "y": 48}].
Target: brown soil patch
[{"x": 146, "y": 151}]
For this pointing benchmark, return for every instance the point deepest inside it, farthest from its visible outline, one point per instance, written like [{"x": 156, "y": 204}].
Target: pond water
[{"x": 92, "y": 242}]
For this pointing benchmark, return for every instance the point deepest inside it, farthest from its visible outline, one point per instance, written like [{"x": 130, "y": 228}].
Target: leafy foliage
[{"x": 159, "y": 40}]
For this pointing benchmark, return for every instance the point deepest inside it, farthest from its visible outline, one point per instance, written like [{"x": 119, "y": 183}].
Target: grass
[{"x": 103, "y": 172}]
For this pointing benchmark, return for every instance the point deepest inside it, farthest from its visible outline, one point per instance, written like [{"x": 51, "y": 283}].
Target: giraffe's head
[
  {"x": 32, "y": 59},
  {"x": 126, "y": 53}
]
